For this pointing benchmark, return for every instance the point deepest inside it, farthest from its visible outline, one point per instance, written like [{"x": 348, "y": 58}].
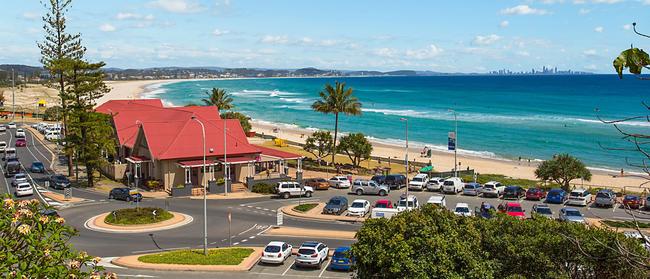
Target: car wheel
[
  {"x": 110, "y": 197},
  {"x": 382, "y": 193},
  {"x": 285, "y": 195},
  {"x": 308, "y": 194},
  {"x": 128, "y": 198},
  {"x": 359, "y": 192}
]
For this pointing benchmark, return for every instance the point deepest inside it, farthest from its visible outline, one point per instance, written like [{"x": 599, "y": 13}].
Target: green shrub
[
  {"x": 137, "y": 216},
  {"x": 625, "y": 224},
  {"x": 230, "y": 256},
  {"x": 263, "y": 188},
  {"x": 305, "y": 207}
]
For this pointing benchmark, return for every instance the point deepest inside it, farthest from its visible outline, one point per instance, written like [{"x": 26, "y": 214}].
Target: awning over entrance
[
  {"x": 137, "y": 159},
  {"x": 278, "y": 154},
  {"x": 196, "y": 163},
  {"x": 238, "y": 160}
]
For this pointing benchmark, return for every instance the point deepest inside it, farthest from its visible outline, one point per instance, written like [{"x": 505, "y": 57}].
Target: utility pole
[
  {"x": 13, "y": 95},
  {"x": 226, "y": 168},
  {"x": 205, "y": 205},
  {"x": 406, "y": 158}
]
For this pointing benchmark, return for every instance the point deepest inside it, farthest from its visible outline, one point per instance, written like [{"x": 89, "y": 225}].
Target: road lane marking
[
  {"x": 253, "y": 227},
  {"x": 158, "y": 250},
  {"x": 325, "y": 268},
  {"x": 287, "y": 270}
]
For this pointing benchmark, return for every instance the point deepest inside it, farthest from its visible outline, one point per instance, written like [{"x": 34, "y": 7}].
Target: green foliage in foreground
[
  {"x": 305, "y": 207},
  {"x": 625, "y": 224},
  {"x": 38, "y": 246},
  {"x": 229, "y": 256},
  {"x": 137, "y": 216},
  {"x": 433, "y": 242},
  {"x": 263, "y": 188}
]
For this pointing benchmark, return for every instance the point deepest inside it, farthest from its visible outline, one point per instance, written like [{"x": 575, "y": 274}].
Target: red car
[
  {"x": 21, "y": 142},
  {"x": 513, "y": 209},
  {"x": 632, "y": 201},
  {"x": 535, "y": 194},
  {"x": 383, "y": 204}
]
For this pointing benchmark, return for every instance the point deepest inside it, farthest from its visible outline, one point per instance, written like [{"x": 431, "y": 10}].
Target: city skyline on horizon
[{"x": 369, "y": 35}]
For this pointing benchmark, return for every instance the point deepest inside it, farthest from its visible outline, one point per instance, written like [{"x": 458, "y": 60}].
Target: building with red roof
[{"x": 166, "y": 143}]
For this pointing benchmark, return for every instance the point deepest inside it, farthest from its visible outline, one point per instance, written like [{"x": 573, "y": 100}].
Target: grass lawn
[
  {"x": 625, "y": 224},
  {"x": 229, "y": 256},
  {"x": 137, "y": 216},
  {"x": 305, "y": 207}
]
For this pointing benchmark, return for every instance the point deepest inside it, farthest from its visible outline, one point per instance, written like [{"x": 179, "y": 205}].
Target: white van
[
  {"x": 453, "y": 185},
  {"x": 579, "y": 197},
  {"x": 407, "y": 203},
  {"x": 438, "y": 201}
]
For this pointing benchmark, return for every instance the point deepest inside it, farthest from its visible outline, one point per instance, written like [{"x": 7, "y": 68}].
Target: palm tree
[
  {"x": 219, "y": 98},
  {"x": 337, "y": 100}
]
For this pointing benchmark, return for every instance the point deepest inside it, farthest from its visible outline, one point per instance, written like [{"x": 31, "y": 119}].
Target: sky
[{"x": 444, "y": 36}]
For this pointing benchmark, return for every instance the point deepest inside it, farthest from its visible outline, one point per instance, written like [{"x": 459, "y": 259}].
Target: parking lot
[{"x": 288, "y": 269}]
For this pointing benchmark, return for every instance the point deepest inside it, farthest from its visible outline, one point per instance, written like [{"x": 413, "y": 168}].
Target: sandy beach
[{"x": 442, "y": 161}]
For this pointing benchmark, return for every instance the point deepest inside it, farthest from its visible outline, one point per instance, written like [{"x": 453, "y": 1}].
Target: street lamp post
[
  {"x": 406, "y": 156},
  {"x": 226, "y": 169},
  {"x": 205, "y": 205},
  {"x": 456, "y": 143}
]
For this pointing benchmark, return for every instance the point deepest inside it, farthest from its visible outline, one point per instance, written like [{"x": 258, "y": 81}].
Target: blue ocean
[{"x": 507, "y": 117}]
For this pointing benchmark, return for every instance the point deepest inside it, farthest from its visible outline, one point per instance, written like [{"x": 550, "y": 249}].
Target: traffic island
[
  {"x": 60, "y": 198},
  {"x": 317, "y": 234},
  {"x": 137, "y": 220},
  {"x": 218, "y": 259},
  {"x": 316, "y": 213}
]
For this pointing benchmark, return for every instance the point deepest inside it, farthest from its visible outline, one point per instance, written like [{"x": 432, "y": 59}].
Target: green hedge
[
  {"x": 263, "y": 188},
  {"x": 230, "y": 256},
  {"x": 305, "y": 207},
  {"x": 137, "y": 216}
]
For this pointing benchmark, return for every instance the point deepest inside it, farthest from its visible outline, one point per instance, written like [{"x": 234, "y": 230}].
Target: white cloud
[
  {"x": 178, "y": 6},
  {"x": 385, "y": 52},
  {"x": 107, "y": 27},
  {"x": 523, "y": 10},
  {"x": 579, "y": 2},
  {"x": 424, "y": 53},
  {"x": 606, "y": 1},
  {"x": 584, "y": 11},
  {"x": 591, "y": 67},
  {"x": 218, "y": 32},
  {"x": 599, "y": 29},
  {"x": 306, "y": 40},
  {"x": 523, "y": 53},
  {"x": 30, "y": 16},
  {"x": 486, "y": 40},
  {"x": 646, "y": 2},
  {"x": 133, "y": 16},
  {"x": 327, "y": 43},
  {"x": 548, "y": 2},
  {"x": 504, "y": 24},
  {"x": 269, "y": 39},
  {"x": 590, "y": 52},
  {"x": 627, "y": 26}
]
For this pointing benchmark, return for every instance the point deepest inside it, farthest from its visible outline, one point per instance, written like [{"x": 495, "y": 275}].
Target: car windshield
[
  {"x": 304, "y": 251},
  {"x": 272, "y": 249},
  {"x": 19, "y": 176},
  {"x": 631, "y": 198},
  {"x": 402, "y": 203},
  {"x": 462, "y": 209},
  {"x": 554, "y": 193},
  {"x": 340, "y": 255},
  {"x": 37, "y": 164},
  {"x": 488, "y": 186},
  {"x": 533, "y": 190},
  {"x": 24, "y": 186},
  {"x": 448, "y": 183},
  {"x": 59, "y": 177},
  {"x": 602, "y": 195},
  {"x": 576, "y": 194},
  {"x": 321, "y": 180},
  {"x": 511, "y": 190},
  {"x": 357, "y": 205},
  {"x": 515, "y": 209},
  {"x": 381, "y": 205},
  {"x": 417, "y": 179},
  {"x": 543, "y": 210},
  {"x": 470, "y": 186},
  {"x": 335, "y": 202},
  {"x": 572, "y": 213}
]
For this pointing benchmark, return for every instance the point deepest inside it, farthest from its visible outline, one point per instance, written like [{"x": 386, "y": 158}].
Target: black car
[
  {"x": 514, "y": 193},
  {"x": 336, "y": 205},
  {"x": 380, "y": 179},
  {"x": 12, "y": 168},
  {"x": 9, "y": 159},
  {"x": 395, "y": 181},
  {"x": 59, "y": 181},
  {"x": 124, "y": 194}
]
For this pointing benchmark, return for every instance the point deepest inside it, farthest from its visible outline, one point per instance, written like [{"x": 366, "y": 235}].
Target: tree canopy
[
  {"x": 319, "y": 144},
  {"x": 219, "y": 98},
  {"x": 244, "y": 120},
  {"x": 356, "y": 146},
  {"x": 562, "y": 169},
  {"x": 432, "y": 242}
]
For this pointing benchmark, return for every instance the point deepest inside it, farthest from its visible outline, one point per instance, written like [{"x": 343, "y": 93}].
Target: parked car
[
  {"x": 59, "y": 181},
  {"x": 3, "y": 128},
  {"x": 341, "y": 259},
  {"x": 438, "y": 201},
  {"x": 10, "y": 151},
  {"x": 632, "y": 201},
  {"x": 24, "y": 189},
  {"x": 21, "y": 142},
  {"x": 11, "y": 158},
  {"x": 317, "y": 183},
  {"x": 556, "y": 195},
  {"x": 287, "y": 189},
  {"x": 535, "y": 194},
  {"x": 312, "y": 254},
  {"x": 359, "y": 208},
  {"x": 18, "y": 178},
  {"x": 12, "y": 168},
  {"x": 647, "y": 203},
  {"x": 37, "y": 167},
  {"x": 361, "y": 187},
  {"x": 276, "y": 252},
  {"x": 452, "y": 185},
  {"x": 20, "y": 133},
  {"x": 419, "y": 182},
  {"x": 568, "y": 214},
  {"x": 435, "y": 183},
  {"x": 493, "y": 189},
  {"x": 407, "y": 203},
  {"x": 514, "y": 209},
  {"x": 579, "y": 197},
  {"x": 383, "y": 204},
  {"x": 514, "y": 193},
  {"x": 11, "y": 125},
  {"x": 605, "y": 198},
  {"x": 3, "y": 146},
  {"x": 395, "y": 181},
  {"x": 336, "y": 205},
  {"x": 379, "y": 179},
  {"x": 472, "y": 189},
  {"x": 125, "y": 194},
  {"x": 486, "y": 210},
  {"x": 339, "y": 182},
  {"x": 542, "y": 210},
  {"x": 462, "y": 209},
  {"x": 53, "y": 136}
]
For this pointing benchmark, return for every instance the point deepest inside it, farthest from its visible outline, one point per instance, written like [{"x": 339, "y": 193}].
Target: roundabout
[{"x": 98, "y": 223}]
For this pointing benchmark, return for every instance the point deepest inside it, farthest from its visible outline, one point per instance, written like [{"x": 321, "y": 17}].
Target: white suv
[
  {"x": 339, "y": 182},
  {"x": 312, "y": 253},
  {"x": 276, "y": 252},
  {"x": 493, "y": 189},
  {"x": 293, "y": 189},
  {"x": 579, "y": 197},
  {"x": 419, "y": 182},
  {"x": 435, "y": 183}
]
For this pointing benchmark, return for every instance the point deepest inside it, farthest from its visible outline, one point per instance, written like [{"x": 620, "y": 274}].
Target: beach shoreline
[{"x": 441, "y": 160}]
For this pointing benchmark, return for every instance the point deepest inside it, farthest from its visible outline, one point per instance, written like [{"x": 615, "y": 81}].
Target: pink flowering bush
[{"x": 33, "y": 245}]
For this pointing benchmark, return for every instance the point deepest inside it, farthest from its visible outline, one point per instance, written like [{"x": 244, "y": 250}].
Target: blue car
[
  {"x": 556, "y": 195},
  {"x": 37, "y": 167},
  {"x": 341, "y": 259}
]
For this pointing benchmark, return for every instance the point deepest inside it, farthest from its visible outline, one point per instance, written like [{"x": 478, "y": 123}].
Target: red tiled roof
[
  {"x": 277, "y": 153},
  {"x": 114, "y": 106}
]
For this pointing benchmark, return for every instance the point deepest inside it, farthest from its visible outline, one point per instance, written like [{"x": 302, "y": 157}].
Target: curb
[
  {"x": 245, "y": 265},
  {"x": 90, "y": 225},
  {"x": 288, "y": 210}
]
